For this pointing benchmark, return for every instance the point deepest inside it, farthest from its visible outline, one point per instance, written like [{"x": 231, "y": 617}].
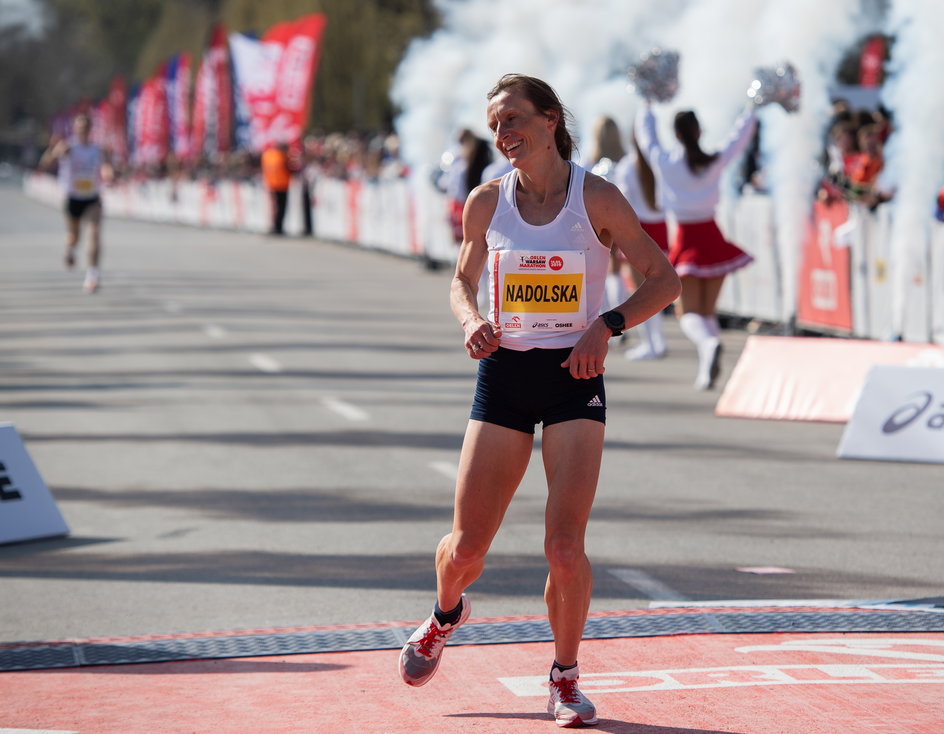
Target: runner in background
[{"x": 82, "y": 169}]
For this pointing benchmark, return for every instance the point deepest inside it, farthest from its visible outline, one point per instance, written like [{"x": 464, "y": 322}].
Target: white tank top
[
  {"x": 546, "y": 282},
  {"x": 80, "y": 171}
]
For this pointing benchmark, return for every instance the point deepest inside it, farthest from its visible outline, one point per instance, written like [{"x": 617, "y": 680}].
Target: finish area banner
[{"x": 275, "y": 76}]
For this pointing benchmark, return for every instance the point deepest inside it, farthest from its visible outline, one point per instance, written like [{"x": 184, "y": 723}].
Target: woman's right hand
[{"x": 482, "y": 339}]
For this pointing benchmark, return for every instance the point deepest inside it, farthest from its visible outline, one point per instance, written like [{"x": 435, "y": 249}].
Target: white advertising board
[
  {"x": 899, "y": 416},
  {"x": 27, "y": 508}
]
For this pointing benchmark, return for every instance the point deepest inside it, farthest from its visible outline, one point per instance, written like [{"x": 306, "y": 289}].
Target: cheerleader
[{"x": 689, "y": 181}]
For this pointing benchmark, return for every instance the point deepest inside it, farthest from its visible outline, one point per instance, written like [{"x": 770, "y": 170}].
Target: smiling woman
[{"x": 543, "y": 233}]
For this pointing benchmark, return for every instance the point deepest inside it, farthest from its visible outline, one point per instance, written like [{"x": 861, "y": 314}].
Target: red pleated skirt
[
  {"x": 659, "y": 232},
  {"x": 702, "y": 251}
]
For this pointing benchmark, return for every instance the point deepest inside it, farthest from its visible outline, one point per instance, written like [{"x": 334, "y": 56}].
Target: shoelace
[
  {"x": 567, "y": 690},
  {"x": 432, "y": 642}
]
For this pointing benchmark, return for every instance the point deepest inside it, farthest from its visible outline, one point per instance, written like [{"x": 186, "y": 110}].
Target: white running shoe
[
  {"x": 643, "y": 352},
  {"x": 568, "y": 706},
  {"x": 92, "y": 280},
  {"x": 420, "y": 656}
]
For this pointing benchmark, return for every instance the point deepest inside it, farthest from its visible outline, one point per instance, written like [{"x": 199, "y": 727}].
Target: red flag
[
  {"x": 219, "y": 51},
  {"x": 276, "y": 78},
  {"x": 213, "y": 101},
  {"x": 152, "y": 122},
  {"x": 871, "y": 61},
  {"x": 117, "y": 105}
]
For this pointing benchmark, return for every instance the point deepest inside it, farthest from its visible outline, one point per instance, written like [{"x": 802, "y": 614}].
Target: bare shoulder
[
  {"x": 483, "y": 199},
  {"x": 600, "y": 196}
]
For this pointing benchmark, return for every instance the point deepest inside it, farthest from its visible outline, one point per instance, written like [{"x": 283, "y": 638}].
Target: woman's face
[
  {"x": 518, "y": 128},
  {"x": 80, "y": 126}
]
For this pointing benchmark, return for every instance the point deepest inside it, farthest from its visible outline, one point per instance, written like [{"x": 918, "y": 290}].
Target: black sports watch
[{"x": 614, "y": 321}]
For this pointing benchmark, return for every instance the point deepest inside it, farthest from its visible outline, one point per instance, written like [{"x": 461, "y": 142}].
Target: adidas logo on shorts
[{"x": 595, "y": 403}]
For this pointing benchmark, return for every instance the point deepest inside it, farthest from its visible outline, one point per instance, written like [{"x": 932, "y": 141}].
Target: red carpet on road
[{"x": 776, "y": 683}]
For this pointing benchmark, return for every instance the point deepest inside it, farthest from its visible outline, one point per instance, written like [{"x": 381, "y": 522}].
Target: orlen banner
[
  {"x": 824, "y": 298},
  {"x": 275, "y": 76},
  {"x": 177, "y": 84},
  {"x": 212, "y": 104},
  {"x": 151, "y": 124}
]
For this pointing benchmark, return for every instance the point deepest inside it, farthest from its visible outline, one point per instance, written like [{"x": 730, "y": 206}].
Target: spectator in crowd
[
  {"x": 463, "y": 172},
  {"x": 277, "y": 176},
  {"x": 82, "y": 169},
  {"x": 855, "y": 156}
]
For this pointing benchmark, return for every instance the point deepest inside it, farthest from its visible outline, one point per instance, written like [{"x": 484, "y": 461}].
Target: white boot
[{"x": 697, "y": 329}]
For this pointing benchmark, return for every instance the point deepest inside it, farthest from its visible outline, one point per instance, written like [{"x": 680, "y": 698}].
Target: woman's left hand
[{"x": 586, "y": 358}]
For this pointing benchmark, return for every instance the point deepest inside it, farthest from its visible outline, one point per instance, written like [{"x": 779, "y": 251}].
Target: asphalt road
[{"x": 245, "y": 432}]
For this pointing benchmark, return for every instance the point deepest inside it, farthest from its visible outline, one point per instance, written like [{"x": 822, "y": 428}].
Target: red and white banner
[
  {"x": 213, "y": 102},
  {"x": 871, "y": 61},
  {"x": 151, "y": 123},
  {"x": 177, "y": 83},
  {"x": 117, "y": 141},
  {"x": 275, "y": 76},
  {"x": 824, "y": 297}
]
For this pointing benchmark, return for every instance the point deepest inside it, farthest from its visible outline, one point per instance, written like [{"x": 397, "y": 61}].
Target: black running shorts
[
  {"x": 76, "y": 208},
  {"x": 518, "y": 390}
]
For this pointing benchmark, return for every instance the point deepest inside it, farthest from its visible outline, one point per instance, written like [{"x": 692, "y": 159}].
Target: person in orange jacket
[{"x": 276, "y": 175}]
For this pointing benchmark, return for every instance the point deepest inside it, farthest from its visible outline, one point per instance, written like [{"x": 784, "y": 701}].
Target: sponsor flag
[
  {"x": 177, "y": 85},
  {"x": 152, "y": 122},
  {"x": 213, "y": 102},
  {"x": 117, "y": 123},
  {"x": 275, "y": 76},
  {"x": 131, "y": 118},
  {"x": 871, "y": 61}
]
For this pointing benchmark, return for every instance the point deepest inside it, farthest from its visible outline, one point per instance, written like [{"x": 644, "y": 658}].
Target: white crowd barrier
[{"x": 847, "y": 283}]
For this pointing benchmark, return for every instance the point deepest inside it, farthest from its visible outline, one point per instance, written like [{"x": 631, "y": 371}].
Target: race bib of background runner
[
  {"x": 83, "y": 185},
  {"x": 539, "y": 291}
]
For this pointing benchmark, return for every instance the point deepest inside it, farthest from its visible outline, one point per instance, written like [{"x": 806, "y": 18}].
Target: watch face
[{"x": 614, "y": 320}]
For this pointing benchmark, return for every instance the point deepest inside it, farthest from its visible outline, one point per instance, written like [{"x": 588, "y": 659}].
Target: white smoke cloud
[
  {"x": 914, "y": 156},
  {"x": 583, "y": 48},
  {"x": 813, "y": 36}
]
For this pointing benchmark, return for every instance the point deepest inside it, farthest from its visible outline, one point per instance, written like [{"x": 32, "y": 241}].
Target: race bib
[
  {"x": 540, "y": 290},
  {"x": 83, "y": 185}
]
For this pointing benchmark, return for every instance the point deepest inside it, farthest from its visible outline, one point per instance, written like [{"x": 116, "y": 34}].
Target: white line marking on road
[
  {"x": 446, "y": 468},
  {"x": 264, "y": 363},
  {"x": 652, "y": 588},
  {"x": 738, "y": 676},
  {"x": 214, "y": 332},
  {"x": 765, "y": 570},
  {"x": 345, "y": 410}
]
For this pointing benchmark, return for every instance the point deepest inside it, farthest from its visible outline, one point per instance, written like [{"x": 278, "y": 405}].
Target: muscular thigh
[
  {"x": 491, "y": 466},
  {"x": 572, "y": 455}
]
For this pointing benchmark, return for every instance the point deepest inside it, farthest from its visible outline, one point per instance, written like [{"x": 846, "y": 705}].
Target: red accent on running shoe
[{"x": 427, "y": 645}]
